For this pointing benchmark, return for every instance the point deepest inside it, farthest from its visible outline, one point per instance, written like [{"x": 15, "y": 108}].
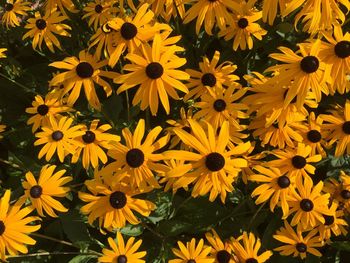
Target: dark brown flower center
[
  {"x": 345, "y": 194},
  {"x": 2, "y": 227},
  {"x": 242, "y": 23},
  {"x": 214, "y": 161},
  {"x": 301, "y": 247},
  {"x": 328, "y": 220},
  {"x": 223, "y": 256},
  {"x": 154, "y": 70},
  {"x": 57, "y": 135},
  {"x": 84, "y": 70},
  {"x": 251, "y": 260},
  {"x": 43, "y": 109},
  {"x": 36, "y": 191},
  {"x": 283, "y": 181},
  {"x": 122, "y": 259},
  {"x": 208, "y": 79},
  {"x": 117, "y": 200},
  {"x": 309, "y": 64},
  {"x": 128, "y": 31},
  {"x": 219, "y": 105},
  {"x": 89, "y": 137},
  {"x": 314, "y": 136},
  {"x": 346, "y": 127},
  {"x": 298, "y": 162},
  {"x": 191, "y": 261},
  {"x": 40, "y": 24},
  {"x": 135, "y": 158},
  {"x": 98, "y": 9},
  {"x": 8, "y": 7},
  {"x": 342, "y": 49},
  {"x": 306, "y": 205}
]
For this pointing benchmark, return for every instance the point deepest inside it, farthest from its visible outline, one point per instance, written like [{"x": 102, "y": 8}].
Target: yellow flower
[
  {"x": 112, "y": 202},
  {"x": 192, "y": 253},
  {"x": 58, "y": 137},
  {"x": 83, "y": 72},
  {"x": 15, "y": 227},
  {"x": 92, "y": 142},
  {"x": 2, "y": 52},
  {"x": 337, "y": 128},
  {"x": 248, "y": 252},
  {"x": 2, "y": 128},
  {"x": 270, "y": 8},
  {"x": 156, "y": 74},
  {"x": 211, "y": 13},
  {"x": 275, "y": 187},
  {"x": 242, "y": 27},
  {"x": 296, "y": 244},
  {"x": 42, "y": 29},
  {"x": 211, "y": 168},
  {"x": 221, "y": 251},
  {"x": 308, "y": 205},
  {"x": 136, "y": 161},
  {"x": 14, "y": 9},
  {"x": 123, "y": 252},
  {"x": 99, "y": 12},
  {"x": 62, "y": 5},
  {"x": 41, "y": 192},
  {"x": 45, "y": 109},
  {"x": 211, "y": 75}
]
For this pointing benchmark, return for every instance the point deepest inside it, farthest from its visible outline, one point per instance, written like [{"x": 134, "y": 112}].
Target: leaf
[
  {"x": 82, "y": 259},
  {"x": 112, "y": 108},
  {"x": 173, "y": 227},
  {"x": 341, "y": 245},
  {"x": 75, "y": 228},
  {"x": 131, "y": 230},
  {"x": 163, "y": 203}
]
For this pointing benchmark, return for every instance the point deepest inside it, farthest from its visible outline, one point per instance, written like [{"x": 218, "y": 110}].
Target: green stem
[
  {"x": 13, "y": 165},
  {"x": 153, "y": 231},
  {"x": 50, "y": 254},
  {"x": 17, "y": 83},
  {"x": 255, "y": 215}
]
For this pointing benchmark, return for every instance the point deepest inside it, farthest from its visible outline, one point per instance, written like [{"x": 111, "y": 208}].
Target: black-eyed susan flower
[
  {"x": 243, "y": 26},
  {"x": 102, "y": 41},
  {"x": 181, "y": 123},
  {"x": 276, "y": 135},
  {"x": 59, "y": 136},
  {"x": 137, "y": 158},
  {"x": 192, "y": 252},
  {"x": 303, "y": 71},
  {"x": 337, "y": 54},
  {"x": 61, "y": 5},
  {"x": 175, "y": 9},
  {"x": 2, "y": 52},
  {"x": 45, "y": 108},
  {"x": 133, "y": 31},
  {"x": 295, "y": 243},
  {"x": 92, "y": 141},
  {"x": 83, "y": 72},
  {"x": 246, "y": 248},
  {"x": 317, "y": 15},
  {"x": 2, "y": 128},
  {"x": 296, "y": 161},
  {"x": 313, "y": 135},
  {"x": 337, "y": 128},
  {"x": 270, "y": 9},
  {"x": 211, "y": 167},
  {"x": 308, "y": 205},
  {"x": 13, "y": 11},
  {"x": 274, "y": 186},
  {"x": 112, "y": 202},
  {"x": 122, "y": 251},
  {"x": 219, "y": 105},
  {"x": 221, "y": 251},
  {"x": 44, "y": 28},
  {"x": 42, "y": 192},
  {"x": 15, "y": 227},
  {"x": 339, "y": 190},
  {"x": 156, "y": 75},
  {"x": 333, "y": 225},
  {"x": 170, "y": 181},
  {"x": 210, "y": 75},
  {"x": 99, "y": 12},
  {"x": 211, "y": 13}
]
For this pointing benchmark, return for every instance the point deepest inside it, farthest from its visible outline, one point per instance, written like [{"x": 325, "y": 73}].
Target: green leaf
[
  {"x": 131, "y": 230},
  {"x": 82, "y": 259},
  {"x": 112, "y": 107},
  {"x": 173, "y": 227},
  {"x": 75, "y": 228},
  {"x": 341, "y": 245}
]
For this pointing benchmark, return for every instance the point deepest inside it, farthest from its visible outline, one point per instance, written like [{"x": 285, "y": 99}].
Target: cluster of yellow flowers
[{"x": 214, "y": 142}]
